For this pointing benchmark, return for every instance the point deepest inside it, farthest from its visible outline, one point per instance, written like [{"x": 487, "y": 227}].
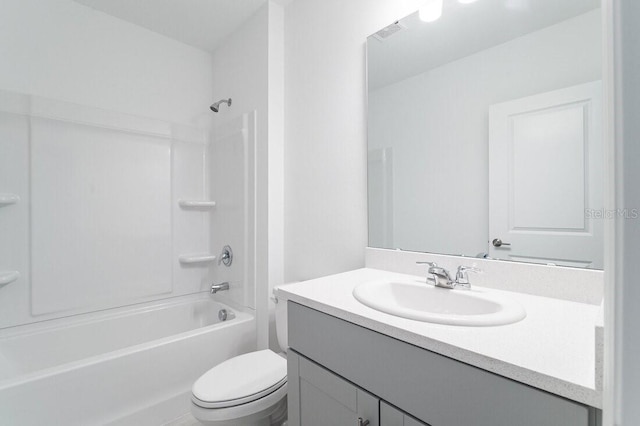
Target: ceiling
[
  {"x": 200, "y": 23},
  {"x": 462, "y": 30}
]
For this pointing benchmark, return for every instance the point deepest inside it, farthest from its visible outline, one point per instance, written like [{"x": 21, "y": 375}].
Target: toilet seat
[
  {"x": 241, "y": 380},
  {"x": 239, "y": 401},
  {"x": 245, "y": 414}
]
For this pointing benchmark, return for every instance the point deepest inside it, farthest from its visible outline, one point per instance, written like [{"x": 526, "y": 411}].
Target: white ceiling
[
  {"x": 200, "y": 23},
  {"x": 461, "y": 31}
]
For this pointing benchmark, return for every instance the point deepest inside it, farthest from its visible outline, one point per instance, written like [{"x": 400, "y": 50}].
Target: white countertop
[{"x": 552, "y": 349}]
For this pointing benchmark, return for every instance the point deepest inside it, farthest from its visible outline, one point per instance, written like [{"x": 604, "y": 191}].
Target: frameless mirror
[{"x": 485, "y": 132}]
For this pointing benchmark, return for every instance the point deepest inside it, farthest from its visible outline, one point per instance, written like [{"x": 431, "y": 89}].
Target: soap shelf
[
  {"x": 8, "y": 199},
  {"x": 197, "y": 204},
  {"x": 192, "y": 259},
  {"x": 7, "y": 277}
]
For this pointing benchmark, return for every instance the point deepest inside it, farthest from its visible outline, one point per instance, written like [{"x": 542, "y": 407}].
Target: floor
[{"x": 186, "y": 420}]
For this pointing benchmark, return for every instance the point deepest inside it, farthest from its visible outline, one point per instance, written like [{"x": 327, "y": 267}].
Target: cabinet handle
[{"x": 362, "y": 422}]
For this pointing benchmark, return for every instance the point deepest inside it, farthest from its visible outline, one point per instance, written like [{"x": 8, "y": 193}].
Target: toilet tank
[{"x": 281, "y": 320}]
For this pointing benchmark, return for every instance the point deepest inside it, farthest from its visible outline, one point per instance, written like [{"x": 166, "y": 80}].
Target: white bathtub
[{"x": 131, "y": 366}]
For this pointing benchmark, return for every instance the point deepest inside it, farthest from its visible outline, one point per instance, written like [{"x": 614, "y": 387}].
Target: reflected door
[{"x": 546, "y": 178}]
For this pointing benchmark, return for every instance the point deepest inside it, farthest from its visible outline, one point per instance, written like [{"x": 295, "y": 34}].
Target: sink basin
[{"x": 425, "y": 302}]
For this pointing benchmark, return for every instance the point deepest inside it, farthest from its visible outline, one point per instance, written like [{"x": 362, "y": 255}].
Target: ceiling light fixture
[{"x": 431, "y": 10}]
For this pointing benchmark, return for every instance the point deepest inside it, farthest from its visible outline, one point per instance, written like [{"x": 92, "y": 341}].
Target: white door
[{"x": 546, "y": 178}]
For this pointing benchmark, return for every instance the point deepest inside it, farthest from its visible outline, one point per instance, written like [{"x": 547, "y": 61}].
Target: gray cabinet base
[{"x": 435, "y": 389}]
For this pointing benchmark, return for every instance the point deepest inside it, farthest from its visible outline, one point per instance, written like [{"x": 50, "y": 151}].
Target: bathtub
[{"x": 129, "y": 366}]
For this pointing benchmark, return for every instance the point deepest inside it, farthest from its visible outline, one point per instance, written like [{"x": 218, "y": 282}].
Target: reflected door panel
[{"x": 545, "y": 176}]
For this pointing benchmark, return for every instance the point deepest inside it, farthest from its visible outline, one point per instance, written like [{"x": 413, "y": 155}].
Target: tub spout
[{"x": 219, "y": 287}]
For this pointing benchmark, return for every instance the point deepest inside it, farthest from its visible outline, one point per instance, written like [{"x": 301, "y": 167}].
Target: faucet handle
[
  {"x": 226, "y": 256},
  {"x": 430, "y": 276},
  {"x": 463, "y": 268},
  {"x": 462, "y": 278}
]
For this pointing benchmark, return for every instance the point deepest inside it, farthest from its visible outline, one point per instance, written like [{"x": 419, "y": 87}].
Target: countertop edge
[{"x": 565, "y": 389}]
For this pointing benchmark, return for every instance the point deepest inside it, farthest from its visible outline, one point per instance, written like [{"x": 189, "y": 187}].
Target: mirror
[{"x": 485, "y": 132}]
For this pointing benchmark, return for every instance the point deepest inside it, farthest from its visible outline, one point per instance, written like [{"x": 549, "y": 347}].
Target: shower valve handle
[{"x": 226, "y": 257}]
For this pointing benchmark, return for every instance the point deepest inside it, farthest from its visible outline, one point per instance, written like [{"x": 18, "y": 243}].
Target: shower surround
[{"x": 111, "y": 241}]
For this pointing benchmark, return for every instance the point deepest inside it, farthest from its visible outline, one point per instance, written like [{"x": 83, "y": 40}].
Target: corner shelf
[
  {"x": 194, "y": 259},
  {"x": 197, "y": 204},
  {"x": 8, "y": 199},
  {"x": 7, "y": 277}
]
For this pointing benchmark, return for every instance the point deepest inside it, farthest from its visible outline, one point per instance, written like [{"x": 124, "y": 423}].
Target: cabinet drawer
[{"x": 435, "y": 389}]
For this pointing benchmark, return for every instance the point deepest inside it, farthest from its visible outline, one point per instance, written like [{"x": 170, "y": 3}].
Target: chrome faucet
[
  {"x": 462, "y": 277},
  {"x": 442, "y": 278},
  {"x": 439, "y": 275},
  {"x": 219, "y": 287}
]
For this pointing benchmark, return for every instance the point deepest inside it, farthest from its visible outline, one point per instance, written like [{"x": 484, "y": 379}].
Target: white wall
[
  {"x": 248, "y": 68},
  {"x": 276, "y": 159},
  {"x": 437, "y": 123},
  {"x": 325, "y": 131},
  {"x": 63, "y": 50}
]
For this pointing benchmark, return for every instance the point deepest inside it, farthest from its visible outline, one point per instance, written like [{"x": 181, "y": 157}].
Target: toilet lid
[{"x": 241, "y": 379}]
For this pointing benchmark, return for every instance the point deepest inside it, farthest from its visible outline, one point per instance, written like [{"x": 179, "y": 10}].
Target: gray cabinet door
[
  {"x": 321, "y": 398},
  {"x": 391, "y": 416}
]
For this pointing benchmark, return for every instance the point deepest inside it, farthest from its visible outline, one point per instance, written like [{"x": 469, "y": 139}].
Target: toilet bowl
[{"x": 247, "y": 390}]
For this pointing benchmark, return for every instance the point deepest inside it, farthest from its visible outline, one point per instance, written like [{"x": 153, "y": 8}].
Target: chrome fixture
[
  {"x": 219, "y": 287},
  {"x": 439, "y": 275},
  {"x": 462, "y": 276},
  {"x": 226, "y": 256},
  {"x": 483, "y": 255},
  {"x": 225, "y": 315},
  {"x": 497, "y": 242},
  {"x": 222, "y": 315},
  {"x": 442, "y": 278},
  {"x": 215, "y": 107}
]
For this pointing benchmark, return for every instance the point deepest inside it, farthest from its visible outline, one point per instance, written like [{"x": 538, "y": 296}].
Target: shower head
[{"x": 215, "y": 107}]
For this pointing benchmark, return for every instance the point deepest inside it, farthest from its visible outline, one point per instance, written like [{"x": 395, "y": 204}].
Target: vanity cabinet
[
  {"x": 391, "y": 416},
  {"x": 339, "y": 372},
  {"x": 325, "y": 399}
]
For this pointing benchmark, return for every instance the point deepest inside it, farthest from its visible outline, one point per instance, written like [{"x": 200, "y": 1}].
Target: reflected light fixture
[
  {"x": 431, "y": 10},
  {"x": 523, "y": 5}
]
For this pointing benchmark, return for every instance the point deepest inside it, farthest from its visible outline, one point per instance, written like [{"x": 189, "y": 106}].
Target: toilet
[{"x": 247, "y": 390}]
